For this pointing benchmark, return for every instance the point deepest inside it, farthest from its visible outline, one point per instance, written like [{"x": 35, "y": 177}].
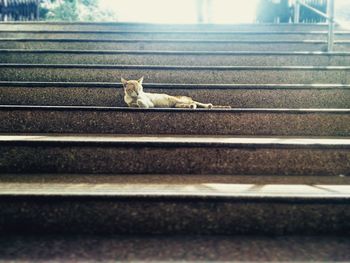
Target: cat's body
[
  {"x": 155, "y": 100},
  {"x": 136, "y": 97}
]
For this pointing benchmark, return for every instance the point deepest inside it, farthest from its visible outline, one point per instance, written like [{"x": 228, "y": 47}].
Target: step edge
[
  {"x": 177, "y": 141},
  {"x": 139, "y": 191},
  {"x": 214, "y": 32},
  {"x": 173, "y": 67},
  {"x": 153, "y": 24},
  {"x": 173, "y": 41},
  {"x": 174, "y": 110}
]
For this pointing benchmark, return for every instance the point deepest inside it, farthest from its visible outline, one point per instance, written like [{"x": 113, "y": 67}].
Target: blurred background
[{"x": 166, "y": 11}]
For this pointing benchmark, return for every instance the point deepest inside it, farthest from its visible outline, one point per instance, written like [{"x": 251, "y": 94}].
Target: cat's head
[{"x": 132, "y": 87}]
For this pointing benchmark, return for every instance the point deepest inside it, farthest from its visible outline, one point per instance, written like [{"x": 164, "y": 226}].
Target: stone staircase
[{"x": 74, "y": 160}]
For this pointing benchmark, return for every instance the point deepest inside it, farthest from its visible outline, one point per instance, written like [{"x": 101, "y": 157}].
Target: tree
[{"x": 74, "y": 10}]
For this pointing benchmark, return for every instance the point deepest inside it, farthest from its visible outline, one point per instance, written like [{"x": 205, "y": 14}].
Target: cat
[{"x": 136, "y": 97}]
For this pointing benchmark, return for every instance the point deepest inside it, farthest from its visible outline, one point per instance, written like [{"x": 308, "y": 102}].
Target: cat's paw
[{"x": 141, "y": 104}]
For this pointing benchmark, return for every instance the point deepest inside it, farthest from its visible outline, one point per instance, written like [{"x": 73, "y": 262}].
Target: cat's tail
[
  {"x": 203, "y": 105},
  {"x": 220, "y": 107},
  {"x": 211, "y": 106}
]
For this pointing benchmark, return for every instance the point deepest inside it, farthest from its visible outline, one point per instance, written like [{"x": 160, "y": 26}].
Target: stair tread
[
  {"x": 218, "y": 121},
  {"x": 173, "y": 85},
  {"x": 170, "y": 44},
  {"x": 175, "y": 74},
  {"x": 178, "y": 248}
]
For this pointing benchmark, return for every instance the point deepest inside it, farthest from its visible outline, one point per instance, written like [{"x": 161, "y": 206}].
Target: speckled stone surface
[
  {"x": 191, "y": 122},
  {"x": 224, "y": 59},
  {"x": 153, "y": 34},
  {"x": 180, "y": 46},
  {"x": 236, "y": 98},
  {"x": 174, "y": 248},
  {"x": 160, "y": 74},
  {"x": 169, "y": 158},
  {"x": 161, "y": 215}
]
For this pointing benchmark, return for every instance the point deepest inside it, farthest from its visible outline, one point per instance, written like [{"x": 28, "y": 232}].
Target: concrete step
[
  {"x": 170, "y": 45},
  {"x": 189, "y": 58},
  {"x": 234, "y": 95},
  {"x": 166, "y": 27},
  {"x": 203, "y": 35},
  {"x": 166, "y": 248},
  {"x": 103, "y": 120},
  {"x": 124, "y": 154},
  {"x": 176, "y": 208},
  {"x": 175, "y": 74}
]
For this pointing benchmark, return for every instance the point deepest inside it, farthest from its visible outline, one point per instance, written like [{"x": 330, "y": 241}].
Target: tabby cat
[{"x": 136, "y": 97}]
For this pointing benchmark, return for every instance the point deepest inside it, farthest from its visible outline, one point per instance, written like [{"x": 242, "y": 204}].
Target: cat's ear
[
  {"x": 124, "y": 81},
  {"x": 140, "y": 80}
]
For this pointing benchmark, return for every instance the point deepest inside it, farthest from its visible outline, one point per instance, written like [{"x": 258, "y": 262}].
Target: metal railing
[
  {"x": 329, "y": 16},
  {"x": 19, "y": 10}
]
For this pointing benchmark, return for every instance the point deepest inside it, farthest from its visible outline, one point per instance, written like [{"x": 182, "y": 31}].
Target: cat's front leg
[{"x": 142, "y": 104}]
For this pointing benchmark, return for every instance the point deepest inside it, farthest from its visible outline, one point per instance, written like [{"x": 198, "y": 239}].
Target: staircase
[{"x": 74, "y": 160}]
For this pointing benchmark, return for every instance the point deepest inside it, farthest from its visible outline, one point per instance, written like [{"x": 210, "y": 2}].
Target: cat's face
[{"x": 132, "y": 87}]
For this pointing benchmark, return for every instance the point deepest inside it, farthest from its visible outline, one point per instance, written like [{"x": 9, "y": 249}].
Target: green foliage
[
  {"x": 74, "y": 10},
  {"x": 89, "y": 2}
]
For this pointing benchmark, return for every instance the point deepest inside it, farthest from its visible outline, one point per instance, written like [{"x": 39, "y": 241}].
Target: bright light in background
[
  {"x": 342, "y": 13},
  {"x": 153, "y": 11},
  {"x": 181, "y": 11},
  {"x": 231, "y": 11}
]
